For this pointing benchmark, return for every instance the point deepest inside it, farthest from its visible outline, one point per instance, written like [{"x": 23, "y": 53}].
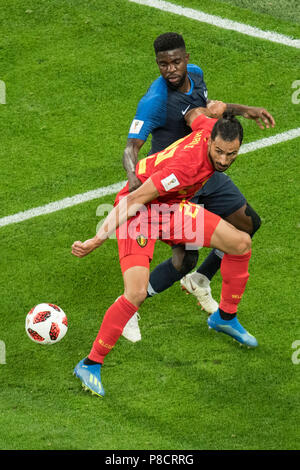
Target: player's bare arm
[
  {"x": 130, "y": 159},
  {"x": 127, "y": 207},
  {"x": 261, "y": 116}
]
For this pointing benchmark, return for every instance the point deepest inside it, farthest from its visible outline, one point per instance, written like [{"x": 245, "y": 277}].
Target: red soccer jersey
[{"x": 180, "y": 170}]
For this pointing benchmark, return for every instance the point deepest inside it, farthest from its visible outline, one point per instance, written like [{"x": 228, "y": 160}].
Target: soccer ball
[{"x": 46, "y": 324}]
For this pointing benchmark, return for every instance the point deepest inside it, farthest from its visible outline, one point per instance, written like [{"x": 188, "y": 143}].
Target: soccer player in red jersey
[
  {"x": 158, "y": 209},
  {"x": 161, "y": 113}
]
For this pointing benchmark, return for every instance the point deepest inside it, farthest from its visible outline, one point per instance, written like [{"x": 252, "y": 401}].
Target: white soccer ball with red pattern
[{"x": 46, "y": 324}]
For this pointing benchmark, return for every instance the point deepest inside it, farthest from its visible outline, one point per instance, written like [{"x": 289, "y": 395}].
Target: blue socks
[
  {"x": 162, "y": 277},
  {"x": 211, "y": 264}
]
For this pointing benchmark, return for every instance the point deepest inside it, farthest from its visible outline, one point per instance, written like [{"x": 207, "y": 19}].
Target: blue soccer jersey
[{"x": 161, "y": 110}]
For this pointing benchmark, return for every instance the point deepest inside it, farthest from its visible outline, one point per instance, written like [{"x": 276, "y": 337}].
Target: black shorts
[{"x": 220, "y": 195}]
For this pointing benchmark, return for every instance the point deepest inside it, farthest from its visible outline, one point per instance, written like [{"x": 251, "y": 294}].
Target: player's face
[
  {"x": 222, "y": 153},
  {"x": 173, "y": 67}
]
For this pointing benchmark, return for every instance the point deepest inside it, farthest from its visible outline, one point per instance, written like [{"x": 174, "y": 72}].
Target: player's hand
[
  {"x": 216, "y": 109},
  {"x": 81, "y": 249},
  {"x": 133, "y": 182},
  {"x": 261, "y": 116}
]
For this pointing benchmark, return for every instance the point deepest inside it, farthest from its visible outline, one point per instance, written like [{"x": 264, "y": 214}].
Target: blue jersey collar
[{"x": 192, "y": 86}]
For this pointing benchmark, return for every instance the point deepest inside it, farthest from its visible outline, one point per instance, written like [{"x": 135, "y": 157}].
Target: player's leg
[
  {"x": 230, "y": 240},
  {"x": 195, "y": 226},
  {"x": 119, "y": 313},
  {"x": 116, "y": 317},
  {"x": 245, "y": 218},
  {"x": 236, "y": 246},
  {"x": 222, "y": 197},
  {"x": 131, "y": 330},
  {"x": 207, "y": 229},
  {"x": 172, "y": 270},
  {"x": 176, "y": 269},
  {"x": 165, "y": 274},
  {"x": 134, "y": 260}
]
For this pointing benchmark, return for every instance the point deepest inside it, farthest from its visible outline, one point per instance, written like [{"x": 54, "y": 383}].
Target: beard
[
  {"x": 216, "y": 168},
  {"x": 175, "y": 86}
]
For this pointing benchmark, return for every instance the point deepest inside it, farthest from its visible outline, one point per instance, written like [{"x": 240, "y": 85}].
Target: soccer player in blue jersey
[{"x": 162, "y": 112}]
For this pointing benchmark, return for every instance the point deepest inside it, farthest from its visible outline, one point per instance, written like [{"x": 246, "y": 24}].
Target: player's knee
[
  {"x": 189, "y": 261},
  {"x": 185, "y": 263},
  {"x": 245, "y": 219},
  {"x": 255, "y": 219},
  {"x": 243, "y": 245},
  {"x": 137, "y": 295},
  {"x": 177, "y": 257}
]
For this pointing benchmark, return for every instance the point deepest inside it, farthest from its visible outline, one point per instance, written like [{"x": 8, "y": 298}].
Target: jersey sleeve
[
  {"x": 203, "y": 122},
  {"x": 151, "y": 112}
]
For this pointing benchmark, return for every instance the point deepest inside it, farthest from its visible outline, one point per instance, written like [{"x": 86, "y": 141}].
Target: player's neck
[{"x": 186, "y": 86}]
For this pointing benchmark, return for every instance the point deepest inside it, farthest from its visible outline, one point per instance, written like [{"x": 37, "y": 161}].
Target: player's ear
[{"x": 187, "y": 58}]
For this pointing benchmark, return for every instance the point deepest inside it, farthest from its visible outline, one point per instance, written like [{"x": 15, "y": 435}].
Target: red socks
[
  {"x": 111, "y": 328},
  {"x": 234, "y": 271}
]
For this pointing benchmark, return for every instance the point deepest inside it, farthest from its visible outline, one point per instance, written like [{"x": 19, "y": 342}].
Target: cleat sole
[
  {"x": 233, "y": 339},
  {"x": 87, "y": 389},
  {"x": 185, "y": 291}
]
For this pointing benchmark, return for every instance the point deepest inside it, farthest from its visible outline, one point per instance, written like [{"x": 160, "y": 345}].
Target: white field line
[
  {"x": 220, "y": 22},
  {"x": 62, "y": 204},
  {"x": 114, "y": 188},
  {"x": 268, "y": 141}
]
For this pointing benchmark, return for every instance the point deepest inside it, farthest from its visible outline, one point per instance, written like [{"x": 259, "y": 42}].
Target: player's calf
[{"x": 236, "y": 246}]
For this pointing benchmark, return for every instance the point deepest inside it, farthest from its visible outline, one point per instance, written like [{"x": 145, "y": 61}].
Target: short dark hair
[
  {"x": 228, "y": 127},
  {"x": 168, "y": 42}
]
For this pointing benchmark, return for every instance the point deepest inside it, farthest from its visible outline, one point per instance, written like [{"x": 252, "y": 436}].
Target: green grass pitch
[{"x": 74, "y": 72}]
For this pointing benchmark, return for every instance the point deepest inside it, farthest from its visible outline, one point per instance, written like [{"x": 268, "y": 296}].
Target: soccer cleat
[
  {"x": 90, "y": 376},
  {"x": 232, "y": 328},
  {"x": 131, "y": 330},
  {"x": 199, "y": 285}
]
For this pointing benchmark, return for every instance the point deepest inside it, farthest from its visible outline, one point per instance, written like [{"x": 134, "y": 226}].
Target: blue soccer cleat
[
  {"x": 232, "y": 328},
  {"x": 90, "y": 376}
]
